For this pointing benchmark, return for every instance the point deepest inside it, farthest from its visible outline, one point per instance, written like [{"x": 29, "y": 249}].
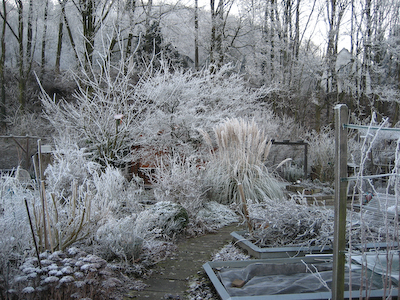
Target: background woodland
[{"x": 292, "y": 47}]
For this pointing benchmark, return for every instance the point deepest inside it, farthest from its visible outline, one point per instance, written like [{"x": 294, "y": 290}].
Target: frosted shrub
[
  {"x": 180, "y": 179},
  {"x": 27, "y": 123},
  {"x": 141, "y": 236},
  {"x": 15, "y": 237},
  {"x": 163, "y": 220},
  {"x": 81, "y": 195},
  {"x": 70, "y": 163},
  {"x": 322, "y": 154},
  {"x": 287, "y": 222},
  {"x": 115, "y": 111},
  {"x": 184, "y": 101},
  {"x": 291, "y": 172},
  {"x": 106, "y": 112},
  {"x": 118, "y": 238},
  {"x": 113, "y": 191},
  {"x": 242, "y": 149},
  {"x": 215, "y": 215}
]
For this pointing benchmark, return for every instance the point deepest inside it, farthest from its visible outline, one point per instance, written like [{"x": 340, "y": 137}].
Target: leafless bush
[
  {"x": 15, "y": 238},
  {"x": 118, "y": 238},
  {"x": 322, "y": 154},
  {"x": 180, "y": 179},
  {"x": 287, "y": 222}
]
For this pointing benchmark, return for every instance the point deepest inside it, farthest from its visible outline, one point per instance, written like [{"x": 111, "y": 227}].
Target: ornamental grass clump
[{"x": 239, "y": 158}]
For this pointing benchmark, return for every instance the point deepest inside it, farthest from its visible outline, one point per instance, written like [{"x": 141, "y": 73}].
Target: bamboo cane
[
  {"x": 245, "y": 210},
  {"x": 33, "y": 233}
]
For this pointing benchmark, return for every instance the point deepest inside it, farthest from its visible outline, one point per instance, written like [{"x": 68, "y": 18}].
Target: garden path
[{"x": 170, "y": 279}]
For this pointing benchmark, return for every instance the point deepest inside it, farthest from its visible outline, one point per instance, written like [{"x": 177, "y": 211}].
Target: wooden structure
[
  {"x": 298, "y": 143},
  {"x": 23, "y": 142}
]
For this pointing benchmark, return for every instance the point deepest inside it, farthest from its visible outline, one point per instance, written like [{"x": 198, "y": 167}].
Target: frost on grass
[
  {"x": 15, "y": 237},
  {"x": 286, "y": 222},
  {"x": 180, "y": 180},
  {"x": 164, "y": 219},
  {"x": 229, "y": 252},
  {"x": 240, "y": 156},
  {"x": 118, "y": 238},
  {"x": 216, "y": 215}
]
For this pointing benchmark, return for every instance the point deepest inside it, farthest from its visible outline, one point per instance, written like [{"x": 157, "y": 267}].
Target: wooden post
[
  {"x": 27, "y": 153},
  {"x": 339, "y": 242},
  {"x": 305, "y": 160}
]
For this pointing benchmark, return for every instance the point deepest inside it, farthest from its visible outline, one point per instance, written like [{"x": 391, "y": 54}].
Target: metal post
[{"x": 339, "y": 242}]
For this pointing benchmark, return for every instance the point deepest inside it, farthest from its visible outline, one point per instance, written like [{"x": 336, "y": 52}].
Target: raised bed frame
[
  {"x": 274, "y": 252},
  {"x": 210, "y": 268}
]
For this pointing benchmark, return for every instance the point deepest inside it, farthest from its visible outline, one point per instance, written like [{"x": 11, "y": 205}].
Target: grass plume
[{"x": 239, "y": 157}]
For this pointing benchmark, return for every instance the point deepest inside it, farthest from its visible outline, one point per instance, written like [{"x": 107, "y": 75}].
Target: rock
[{"x": 238, "y": 283}]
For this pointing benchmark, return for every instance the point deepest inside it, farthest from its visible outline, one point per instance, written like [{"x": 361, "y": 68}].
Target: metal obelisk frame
[{"x": 339, "y": 243}]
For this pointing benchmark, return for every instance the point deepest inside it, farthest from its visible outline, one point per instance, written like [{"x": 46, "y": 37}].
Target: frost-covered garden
[{"x": 139, "y": 164}]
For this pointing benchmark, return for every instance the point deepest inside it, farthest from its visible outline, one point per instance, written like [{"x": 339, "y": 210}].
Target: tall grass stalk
[
  {"x": 66, "y": 220},
  {"x": 240, "y": 155}
]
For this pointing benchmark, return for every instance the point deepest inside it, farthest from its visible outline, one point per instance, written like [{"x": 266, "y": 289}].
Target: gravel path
[{"x": 171, "y": 277}]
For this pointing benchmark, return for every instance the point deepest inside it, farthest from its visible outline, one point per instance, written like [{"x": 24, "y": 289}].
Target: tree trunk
[
  {"x": 296, "y": 45},
  {"x": 43, "y": 54},
  {"x": 130, "y": 7},
  {"x": 2, "y": 66},
  {"x": 213, "y": 35},
  {"x": 217, "y": 30},
  {"x": 70, "y": 36},
  {"x": 21, "y": 65},
  {"x": 88, "y": 20},
  {"x": 29, "y": 33},
  {"x": 196, "y": 35},
  {"x": 366, "y": 66},
  {"x": 335, "y": 11},
  {"x": 219, "y": 37},
  {"x": 59, "y": 44}
]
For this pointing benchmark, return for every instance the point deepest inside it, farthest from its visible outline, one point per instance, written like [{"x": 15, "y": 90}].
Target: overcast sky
[{"x": 318, "y": 31}]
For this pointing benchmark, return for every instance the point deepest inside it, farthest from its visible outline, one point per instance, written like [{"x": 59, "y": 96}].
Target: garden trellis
[{"x": 382, "y": 212}]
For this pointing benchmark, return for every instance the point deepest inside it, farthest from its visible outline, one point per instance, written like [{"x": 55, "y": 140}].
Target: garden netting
[{"x": 294, "y": 278}]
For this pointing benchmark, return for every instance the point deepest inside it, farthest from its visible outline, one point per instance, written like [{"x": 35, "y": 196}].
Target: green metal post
[{"x": 339, "y": 243}]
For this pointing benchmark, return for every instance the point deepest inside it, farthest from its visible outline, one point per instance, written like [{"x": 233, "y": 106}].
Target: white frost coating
[
  {"x": 51, "y": 279},
  {"x": 67, "y": 270},
  {"x": 55, "y": 273},
  {"x": 78, "y": 274},
  {"x": 28, "y": 290},
  {"x": 217, "y": 214},
  {"x": 66, "y": 279},
  {"x": 52, "y": 267},
  {"x": 73, "y": 251}
]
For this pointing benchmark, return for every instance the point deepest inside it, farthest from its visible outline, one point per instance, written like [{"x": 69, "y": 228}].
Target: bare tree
[
  {"x": 93, "y": 13},
  {"x": 335, "y": 10}
]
